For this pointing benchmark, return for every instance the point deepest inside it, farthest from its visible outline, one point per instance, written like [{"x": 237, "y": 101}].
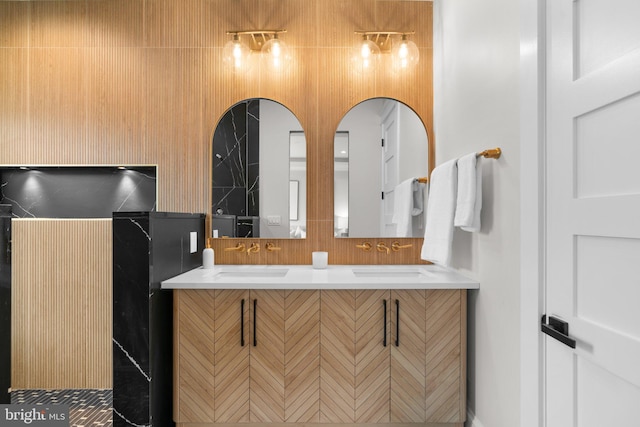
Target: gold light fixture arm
[
  {"x": 257, "y": 37},
  {"x": 383, "y": 38}
]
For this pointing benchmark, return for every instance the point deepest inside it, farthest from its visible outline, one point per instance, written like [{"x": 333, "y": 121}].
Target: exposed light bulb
[
  {"x": 236, "y": 55},
  {"x": 276, "y": 54},
  {"x": 405, "y": 54},
  {"x": 366, "y": 55}
]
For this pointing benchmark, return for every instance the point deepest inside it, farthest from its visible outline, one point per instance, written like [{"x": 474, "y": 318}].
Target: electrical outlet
[
  {"x": 273, "y": 220},
  {"x": 194, "y": 241}
]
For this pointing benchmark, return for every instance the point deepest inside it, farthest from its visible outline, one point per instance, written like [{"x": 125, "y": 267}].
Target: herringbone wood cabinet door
[
  {"x": 267, "y": 356},
  {"x": 408, "y": 364},
  {"x": 320, "y": 356},
  {"x": 231, "y": 361},
  {"x": 337, "y": 356},
  {"x": 193, "y": 355},
  {"x": 302, "y": 356},
  {"x": 446, "y": 355},
  {"x": 372, "y": 357}
]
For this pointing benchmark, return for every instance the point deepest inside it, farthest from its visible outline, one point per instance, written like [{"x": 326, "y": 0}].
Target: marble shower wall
[
  {"x": 77, "y": 192},
  {"x": 235, "y": 160}
]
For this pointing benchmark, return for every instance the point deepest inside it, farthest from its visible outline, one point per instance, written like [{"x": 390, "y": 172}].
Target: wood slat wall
[
  {"x": 142, "y": 82},
  {"x": 61, "y": 304}
]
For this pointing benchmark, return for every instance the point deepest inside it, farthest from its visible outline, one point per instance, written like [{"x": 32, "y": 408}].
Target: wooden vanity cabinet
[
  {"x": 330, "y": 356},
  {"x": 239, "y": 353},
  {"x": 393, "y": 356}
]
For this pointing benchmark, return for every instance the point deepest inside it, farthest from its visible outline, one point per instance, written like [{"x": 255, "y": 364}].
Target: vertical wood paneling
[
  {"x": 61, "y": 294},
  {"x": 142, "y": 82}
]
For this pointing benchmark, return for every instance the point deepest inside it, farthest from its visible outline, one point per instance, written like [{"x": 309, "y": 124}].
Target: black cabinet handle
[
  {"x": 384, "y": 337},
  {"x": 397, "y": 323},
  {"x": 557, "y": 329},
  {"x": 242, "y": 323},
  {"x": 255, "y": 317}
]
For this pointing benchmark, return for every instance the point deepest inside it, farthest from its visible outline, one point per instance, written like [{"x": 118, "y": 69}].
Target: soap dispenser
[{"x": 208, "y": 257}]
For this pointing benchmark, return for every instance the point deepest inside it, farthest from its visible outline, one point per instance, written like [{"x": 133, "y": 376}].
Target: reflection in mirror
[
  {"x": 380, "y": 149},
  {"x": 259, "y": 150}
]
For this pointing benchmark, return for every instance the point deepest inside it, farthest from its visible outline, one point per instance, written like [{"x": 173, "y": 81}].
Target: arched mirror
[
  {"x": 381, "y": 153},
  {"x": 259, "y": 178}
]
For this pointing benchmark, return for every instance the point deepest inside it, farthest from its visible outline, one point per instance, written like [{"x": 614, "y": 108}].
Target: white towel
[
  {"x": 408, "y": 201},
  {"x": 441, "y": 206},
  {"x": 469, "y": 199}
]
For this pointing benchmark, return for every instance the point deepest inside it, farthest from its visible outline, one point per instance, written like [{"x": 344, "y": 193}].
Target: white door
[
  {"x": 390, "y": 173},
  {"x": 593, "y": 212}
]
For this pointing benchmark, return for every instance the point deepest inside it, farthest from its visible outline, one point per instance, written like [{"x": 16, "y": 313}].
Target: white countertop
[{"x": 333, "y": 277}]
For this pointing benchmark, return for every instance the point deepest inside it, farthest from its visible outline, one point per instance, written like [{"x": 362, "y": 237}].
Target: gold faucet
[
  {"x": 237, "y": 248},
  {"x": 366, "y": 246},
  {"x": 270, "y": 247},
  {"x": 382, "y": 247},
  {"x": 396, "y": 246},
  {"x": 253, "y": 248}
]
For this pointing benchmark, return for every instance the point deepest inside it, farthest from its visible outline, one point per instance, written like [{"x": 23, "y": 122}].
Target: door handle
[
  {"x": 255, "y": 318},
  {"x": 397, "y": 323},
  {"x": 384, "y": 308},
  {"x": 557, "y": 329},
  {"x": 242, "y": 322}
]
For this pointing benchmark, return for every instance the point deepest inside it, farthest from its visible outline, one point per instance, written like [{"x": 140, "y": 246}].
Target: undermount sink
[
  {"x": 262, "y": 272},
  {"x": 386, "y": 273}
]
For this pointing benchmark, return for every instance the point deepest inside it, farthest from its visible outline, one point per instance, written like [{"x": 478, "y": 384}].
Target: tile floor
[{"x": 87, "y": 408}]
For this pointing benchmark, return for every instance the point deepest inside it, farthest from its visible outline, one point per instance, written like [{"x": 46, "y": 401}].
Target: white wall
[{"x": 476, "y": 95}]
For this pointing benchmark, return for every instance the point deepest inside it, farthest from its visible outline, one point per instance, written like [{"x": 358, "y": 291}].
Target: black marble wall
[
  {"x": 148, "y": 247},
  {"x": 5, "y": 303},
  {"x": 77, "y": 191},
  {"x": 236, "y": 161}
]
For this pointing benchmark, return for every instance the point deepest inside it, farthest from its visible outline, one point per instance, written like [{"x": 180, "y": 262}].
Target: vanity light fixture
[
  {"x": 237, "y": 54},
  {"x": 404, "y": 52}
]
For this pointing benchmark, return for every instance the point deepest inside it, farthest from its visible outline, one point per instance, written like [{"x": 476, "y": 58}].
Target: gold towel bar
[{"x": 491, "y": 153}]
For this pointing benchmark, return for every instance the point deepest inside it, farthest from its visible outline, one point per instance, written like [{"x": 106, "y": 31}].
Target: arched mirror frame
[
  {"x": 211, "y": 153},
  {"x": 415, "y": 128},
  {"x": 352, "y": 246},
  {"x": 319, "y": 133}
]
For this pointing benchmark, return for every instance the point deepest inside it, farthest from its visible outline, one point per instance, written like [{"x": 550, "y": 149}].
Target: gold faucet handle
[
  {"x": 253, "y": 248},
  {"x": 382, "y": 247},
  {"x": 237, "y": 248},
  {"x": 270, "y": 247},
  {"x": 396, "y": 246},
  {"x": 366, "y": 246}
]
